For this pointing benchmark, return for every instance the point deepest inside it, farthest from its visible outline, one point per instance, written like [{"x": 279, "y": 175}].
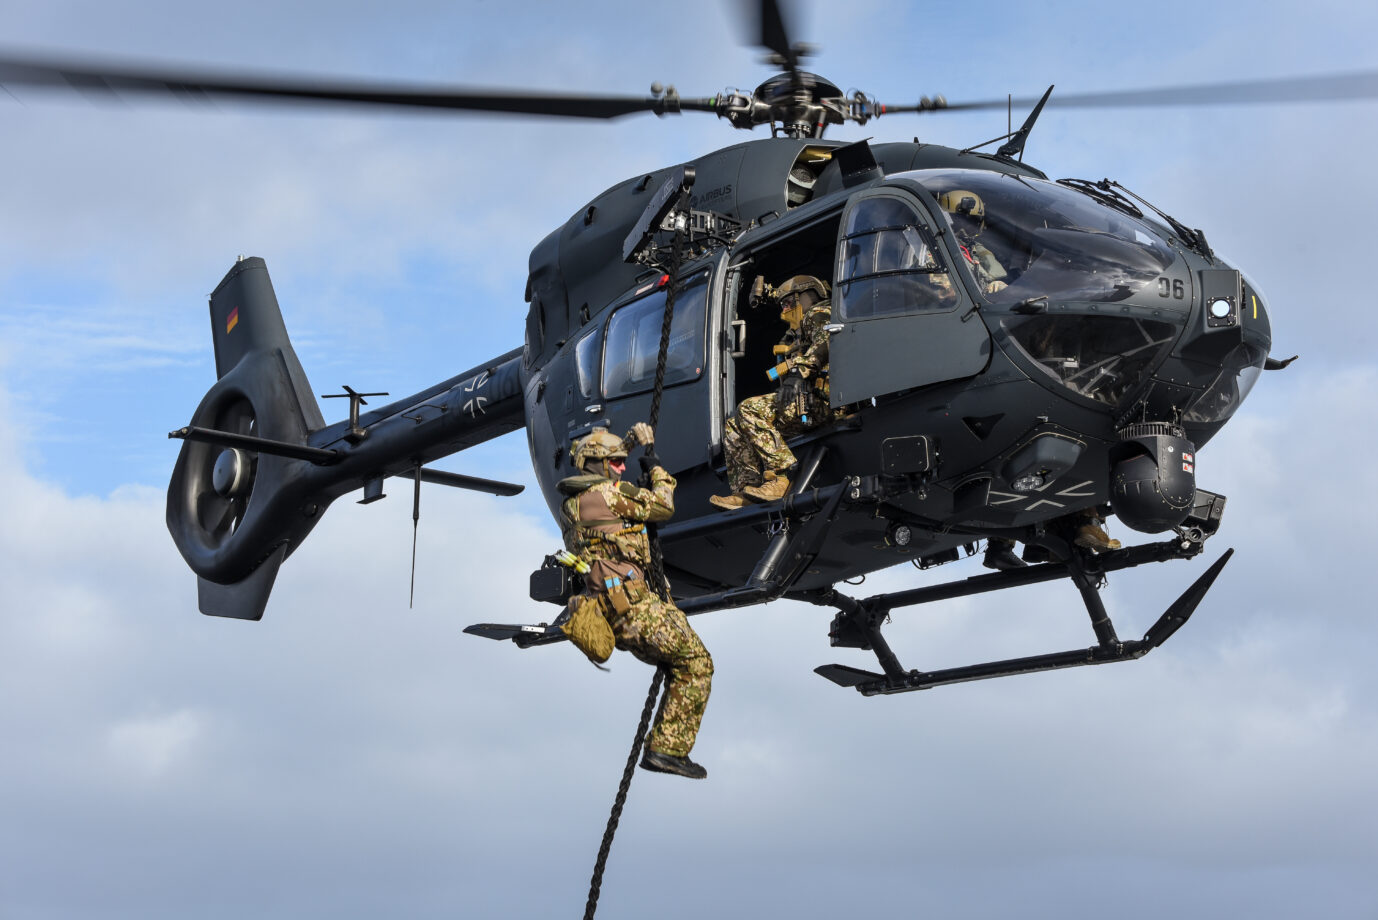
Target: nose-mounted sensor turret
[{"x": 1152, "y": 476}]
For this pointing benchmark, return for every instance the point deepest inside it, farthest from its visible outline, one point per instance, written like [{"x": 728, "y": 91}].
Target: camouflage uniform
[
  {"x": 989, "y": 272},
  {"x": 604, "y": 524},
  {"x": 754, "y": 437}
]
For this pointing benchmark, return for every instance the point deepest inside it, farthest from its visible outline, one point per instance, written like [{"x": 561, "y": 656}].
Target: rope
[
  {"x": 653, "y": 530},
  {"x": 663, "y": 356},
  {"x": 657, "y": 580},
  {"x": 596, "y": 883}
]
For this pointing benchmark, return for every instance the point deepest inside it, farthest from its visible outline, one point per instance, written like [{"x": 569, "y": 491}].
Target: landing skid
[{"x": 858, "y": 622}]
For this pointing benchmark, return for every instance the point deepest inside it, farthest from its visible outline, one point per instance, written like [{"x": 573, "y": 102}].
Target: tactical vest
[{"x": 611, "y": 546}]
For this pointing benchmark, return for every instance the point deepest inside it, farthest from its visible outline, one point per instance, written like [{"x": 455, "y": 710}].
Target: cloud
[
  {"x": 151, "y": 746},
  {"x": 348, "y": 756},
  {"x": 346, "y": 749}
]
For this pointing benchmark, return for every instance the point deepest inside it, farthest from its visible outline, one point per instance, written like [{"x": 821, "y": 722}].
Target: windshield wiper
[
  {"x": 1102, "y": 192},
  {"x": 1196, "y": 239}
]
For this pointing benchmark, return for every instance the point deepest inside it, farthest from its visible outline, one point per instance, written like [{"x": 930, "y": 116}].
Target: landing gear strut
[{"x": 858, "y": 622}]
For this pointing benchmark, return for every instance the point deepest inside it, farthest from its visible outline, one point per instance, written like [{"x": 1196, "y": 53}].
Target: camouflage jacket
[
  {"x": 604, "y": 522},
  {"x": 808, "y": 345}
]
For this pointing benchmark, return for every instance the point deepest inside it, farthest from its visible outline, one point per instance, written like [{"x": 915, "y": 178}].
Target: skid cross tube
[{"x": 858, "y": 623}]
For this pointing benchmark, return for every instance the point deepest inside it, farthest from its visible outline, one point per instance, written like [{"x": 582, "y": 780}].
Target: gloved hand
[
  {"x": 995, "y": 286},
  {"x": 641, "y": 433},
  {"x": 793, "y": 390}
]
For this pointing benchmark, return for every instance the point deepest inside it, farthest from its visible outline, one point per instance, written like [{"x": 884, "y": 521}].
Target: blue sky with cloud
[{"x": 350, "y": 757}]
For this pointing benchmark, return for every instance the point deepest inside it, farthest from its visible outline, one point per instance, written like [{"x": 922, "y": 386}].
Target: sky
[{"x": 350, "y": 757}]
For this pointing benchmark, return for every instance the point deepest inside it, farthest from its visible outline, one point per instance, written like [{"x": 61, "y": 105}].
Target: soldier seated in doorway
[{"x": 754, "y": 437}]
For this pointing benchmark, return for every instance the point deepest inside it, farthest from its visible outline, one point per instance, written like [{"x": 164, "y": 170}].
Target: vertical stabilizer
[
  {"x": 235, "y": 513},
  {"x": 246, "y": 319}
]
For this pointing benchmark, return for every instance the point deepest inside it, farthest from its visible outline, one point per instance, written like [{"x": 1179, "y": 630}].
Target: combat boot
[
  {"x": 735, "y": 500},
  {"x": 657, "y": 762},
  {"x": 1093, "y": 537},
  {"x": 1000, "y": 555},
  {"x": 773, "y": 489}
]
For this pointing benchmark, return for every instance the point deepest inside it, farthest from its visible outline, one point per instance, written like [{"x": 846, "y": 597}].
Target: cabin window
[
  {"x": 534, "y": 341},
  {"x": 888, "y": 263},
  {"x": 586, "y": 361},
  {"x": 633, "y": 341}
]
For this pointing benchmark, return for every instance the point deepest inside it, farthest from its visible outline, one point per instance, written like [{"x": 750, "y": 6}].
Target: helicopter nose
[
  {"x": 1222, "y": 354},
  {"x": 1254, "y": 311}
]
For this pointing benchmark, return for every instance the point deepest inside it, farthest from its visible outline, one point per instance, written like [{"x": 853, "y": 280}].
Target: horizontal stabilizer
[
  {"x": 507, "y": 630},
  {"x": 461, "y": 481},
  {"x": 242, "y": 600},
  {"x": 844, "y": 676}
]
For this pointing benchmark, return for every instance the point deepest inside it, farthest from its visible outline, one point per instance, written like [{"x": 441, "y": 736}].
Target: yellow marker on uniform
[{"x": 232, "y": 321}]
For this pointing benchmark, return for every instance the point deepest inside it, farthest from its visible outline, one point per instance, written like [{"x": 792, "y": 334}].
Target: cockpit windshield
[{"x": 1024, "y": 237}]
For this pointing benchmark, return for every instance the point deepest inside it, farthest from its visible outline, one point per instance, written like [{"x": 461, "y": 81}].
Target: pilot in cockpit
[{"x": 968, "y": 213}]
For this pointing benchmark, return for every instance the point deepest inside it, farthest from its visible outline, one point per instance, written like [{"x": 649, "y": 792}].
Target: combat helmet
[
  {"x": 802, "y": 283},
  {"x": 791, "y": 310},
  {"x": 598, "y": 445}
]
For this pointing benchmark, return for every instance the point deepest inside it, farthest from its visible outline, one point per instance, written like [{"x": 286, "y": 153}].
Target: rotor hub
[
  {"x": 799, "y": 101},
  {"x": 232, "y": 473}
]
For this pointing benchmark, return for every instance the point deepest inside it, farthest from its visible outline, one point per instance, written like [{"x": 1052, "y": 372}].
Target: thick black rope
[
  {"x": 596, "y": 883},
  {"x": 657, "y": 580},
  {"x": 662, "y": 359}
]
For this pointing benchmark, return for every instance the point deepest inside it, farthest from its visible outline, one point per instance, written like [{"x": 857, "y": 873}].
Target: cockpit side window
[
  {"x": 633, "y": 341},
  {"x": 586, "y": 362},
  {"x": 888, "y": 263}
]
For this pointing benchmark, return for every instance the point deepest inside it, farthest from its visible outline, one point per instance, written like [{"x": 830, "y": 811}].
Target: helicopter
[{"x": 993, "y": 416}]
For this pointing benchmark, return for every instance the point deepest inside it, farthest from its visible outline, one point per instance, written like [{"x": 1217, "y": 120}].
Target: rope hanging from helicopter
[{"x": 657, "y": 580}]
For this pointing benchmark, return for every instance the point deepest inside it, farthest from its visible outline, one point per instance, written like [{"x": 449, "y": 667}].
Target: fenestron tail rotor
[
  {"x": 226, "y": 479},
  {"x": 235, "y": 512}
]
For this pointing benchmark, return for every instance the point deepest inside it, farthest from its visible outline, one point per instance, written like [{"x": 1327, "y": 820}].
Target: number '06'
[{"x": 1171, "y": 287}]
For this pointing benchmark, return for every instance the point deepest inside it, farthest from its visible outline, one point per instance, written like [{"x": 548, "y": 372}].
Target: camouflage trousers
[
  {"x": 659, "y": 634},
  {"x": 753, "y": 441}
]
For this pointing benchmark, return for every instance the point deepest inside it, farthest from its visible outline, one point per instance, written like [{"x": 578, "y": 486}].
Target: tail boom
[{"x": 259, "y": 466}]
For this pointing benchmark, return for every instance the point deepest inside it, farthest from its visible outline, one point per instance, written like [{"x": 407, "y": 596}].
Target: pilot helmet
[
  {"x": 967, "y": 209},
  {"x": 599, "y": 445},
  {"x": 961, "y": 201}
]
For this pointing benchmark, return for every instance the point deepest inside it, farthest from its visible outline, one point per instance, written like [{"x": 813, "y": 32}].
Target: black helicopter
[{"x": 1120, "y": 345}]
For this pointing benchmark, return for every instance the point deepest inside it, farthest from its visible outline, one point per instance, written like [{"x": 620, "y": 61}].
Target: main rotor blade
[
  {"x": 1361, "y": 84},
  {"x": 774, "y": 36},
  {"x": 115, "y": 78}
]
